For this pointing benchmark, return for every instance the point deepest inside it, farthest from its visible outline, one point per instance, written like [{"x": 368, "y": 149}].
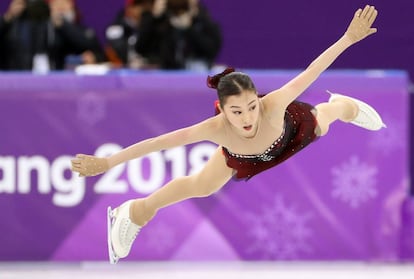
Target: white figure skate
[
  {"x": 121, "y": 232},
  {"x": 367, "y": 116}
]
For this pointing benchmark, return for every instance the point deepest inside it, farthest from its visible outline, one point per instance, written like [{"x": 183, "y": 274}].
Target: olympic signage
[
  {"x": 69, "y": 190},
  {"x": 315, "y": 206}
]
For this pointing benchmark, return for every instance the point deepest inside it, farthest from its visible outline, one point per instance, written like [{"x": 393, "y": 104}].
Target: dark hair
[
  {"x": 175, "y": 7},
  {"x": 230, "y": 83}
]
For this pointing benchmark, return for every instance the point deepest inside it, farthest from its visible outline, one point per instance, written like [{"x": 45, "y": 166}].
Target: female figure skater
[{"x": 253, "y": 134}]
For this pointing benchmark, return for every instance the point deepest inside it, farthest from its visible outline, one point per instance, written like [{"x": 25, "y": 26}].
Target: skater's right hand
[
  {"x": 360, "y": 26},
  {"x": 87, "y": 165}
]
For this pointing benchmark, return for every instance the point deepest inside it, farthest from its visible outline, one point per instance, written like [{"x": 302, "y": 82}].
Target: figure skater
[{"x": 253, "y": 134}]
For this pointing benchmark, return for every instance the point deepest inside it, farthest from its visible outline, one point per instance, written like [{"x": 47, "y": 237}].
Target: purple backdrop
[{"x": 343, "y": 198}]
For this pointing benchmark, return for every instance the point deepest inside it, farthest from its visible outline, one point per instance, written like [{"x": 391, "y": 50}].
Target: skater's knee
[
  {"x": 204, "y": 187},
  {"x": 321, "y": 129},
  {"x": 206, "y": 191},
  {"x": 323, "y": 124}
]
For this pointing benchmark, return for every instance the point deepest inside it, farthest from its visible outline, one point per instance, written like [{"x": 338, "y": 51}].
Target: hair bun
[{"x": 213, "y": 81}]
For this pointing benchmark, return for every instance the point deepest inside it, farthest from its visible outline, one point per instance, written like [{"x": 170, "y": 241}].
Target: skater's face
[{"x": 242, "y": 111}]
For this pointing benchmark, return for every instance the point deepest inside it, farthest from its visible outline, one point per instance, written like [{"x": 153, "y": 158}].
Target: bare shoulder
[
  {"x": 212, "y": 129},
  {"x": 274, "y": 103}
]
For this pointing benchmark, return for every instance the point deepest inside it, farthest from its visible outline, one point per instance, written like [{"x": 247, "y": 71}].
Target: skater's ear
[{"x": 220, "y": 109}]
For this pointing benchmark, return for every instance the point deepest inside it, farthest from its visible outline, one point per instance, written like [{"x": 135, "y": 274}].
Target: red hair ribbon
[{"x": 213, "y": 81}]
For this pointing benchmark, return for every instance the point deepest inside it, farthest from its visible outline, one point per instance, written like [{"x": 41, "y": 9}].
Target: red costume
[{"x": 299, "y": 131}]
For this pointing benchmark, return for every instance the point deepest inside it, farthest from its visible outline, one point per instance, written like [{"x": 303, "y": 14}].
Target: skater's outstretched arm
[
  {"x": 88, "y": 165},
  {"x": 358, "y": 29}
]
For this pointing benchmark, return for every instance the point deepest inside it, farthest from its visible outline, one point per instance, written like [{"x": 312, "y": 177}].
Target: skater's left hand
[
  {"x": 360, "y": 26},
  {"x": 87, "y": 165}
]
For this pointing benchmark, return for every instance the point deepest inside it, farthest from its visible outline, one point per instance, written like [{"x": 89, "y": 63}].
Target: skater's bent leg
[
  {"x": 210, "y": 179},
  {"x": 339, "y": 109}
]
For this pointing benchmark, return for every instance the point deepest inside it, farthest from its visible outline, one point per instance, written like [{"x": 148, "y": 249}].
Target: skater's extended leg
[
  {"x": 126, "y": 221},
  {"x": 209, "y": 180},
  {"x": 347, "y": 109},
  {"x": 340, "y": 109}
]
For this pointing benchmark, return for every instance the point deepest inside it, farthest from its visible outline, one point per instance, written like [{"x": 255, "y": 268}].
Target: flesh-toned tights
[{"x": 216, "y": 173}]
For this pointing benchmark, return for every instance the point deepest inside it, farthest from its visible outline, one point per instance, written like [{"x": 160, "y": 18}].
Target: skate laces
[{"x": 128, "y": 232}]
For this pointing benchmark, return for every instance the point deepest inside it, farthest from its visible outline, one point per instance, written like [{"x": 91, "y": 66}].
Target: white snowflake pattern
[
  {"x": 91, "y": 108},
  {"x": 279, "y": 231},
  {"x": 354, "y": 182}
]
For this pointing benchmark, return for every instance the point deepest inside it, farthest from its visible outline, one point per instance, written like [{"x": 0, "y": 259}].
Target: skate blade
[{"x": 113, "y": 258}]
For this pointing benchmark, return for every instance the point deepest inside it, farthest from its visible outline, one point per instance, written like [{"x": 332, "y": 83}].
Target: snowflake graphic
[
  {"x": 390, "y": 139},
  {"x": 162, "y": 238},
  {"x": 354, "y": 182},
  {"x": 279, "y": 231},
  {"x": 91, "y": 108}
]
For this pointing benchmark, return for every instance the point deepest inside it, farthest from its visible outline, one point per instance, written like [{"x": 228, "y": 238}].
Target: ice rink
[{"x": 201, "y": 270}]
